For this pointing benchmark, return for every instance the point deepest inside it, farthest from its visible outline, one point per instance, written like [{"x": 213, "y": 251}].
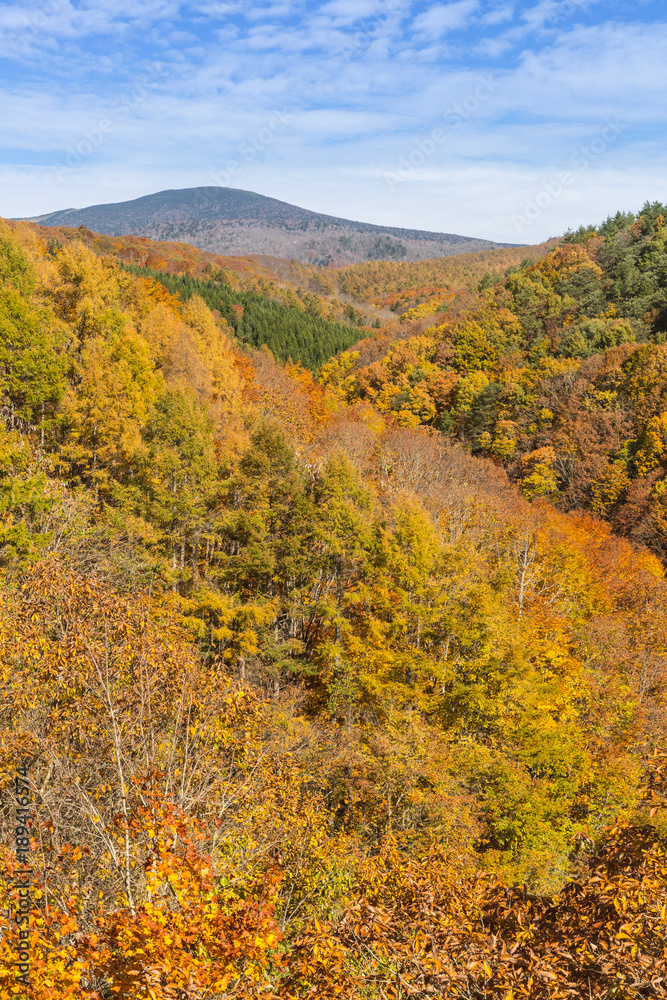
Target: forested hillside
[
  {"x": 295, "y": 329},
  {"x": 335, "y": 686},
  {"x": 558, "y": 374},
  {"x": 377, "y": 279},
  {"x": 228, "y": 220}
]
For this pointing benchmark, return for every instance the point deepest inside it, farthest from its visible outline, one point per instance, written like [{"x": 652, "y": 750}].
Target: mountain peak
[{"x": 233, "y": 221}]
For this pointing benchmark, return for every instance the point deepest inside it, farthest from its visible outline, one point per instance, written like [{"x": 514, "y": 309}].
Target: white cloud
[
  {"x": 270, "y": 11},
  {"x": 445, "y": 17},
  {"x": 353, "y": 10},
  {"x": 331, "y": 123},
  {"x": 499, "y": 14},
  {"x": 492, "y": 48},
  {"x": 364, "y": 88},
  {"x": 548, "y": 13}
]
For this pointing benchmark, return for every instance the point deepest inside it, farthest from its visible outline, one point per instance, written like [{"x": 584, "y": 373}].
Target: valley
[{"x": 333, "y": 631}]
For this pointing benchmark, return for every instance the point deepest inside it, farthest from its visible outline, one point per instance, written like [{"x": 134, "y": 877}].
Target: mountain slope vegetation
[
  {"x": 320, "y": 691},
  {"x": 557, "y": 373},
  {"x": 232, "y": 221},
  {"x": 378, "y": 279},
  {"x": 302, "y": 313},
  {"x": 292, "y": 328}
]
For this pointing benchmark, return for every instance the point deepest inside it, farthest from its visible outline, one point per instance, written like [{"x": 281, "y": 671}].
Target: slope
[
  {"x": 231, "y": 221},
  {"x": 558, "y": 374},
  {"x": 307, "y": 313},
  {"x": 304, "y": 701}
]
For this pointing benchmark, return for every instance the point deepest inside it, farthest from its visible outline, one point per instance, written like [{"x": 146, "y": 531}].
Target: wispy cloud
[
  {"x": 364, "y": 79},
  {"x": 499, "y": 15},
  {"x": 444, "y": 17}
]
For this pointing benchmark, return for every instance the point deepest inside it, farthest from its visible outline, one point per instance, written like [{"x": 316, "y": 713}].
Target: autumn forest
[{"x": 334, "y": 619}]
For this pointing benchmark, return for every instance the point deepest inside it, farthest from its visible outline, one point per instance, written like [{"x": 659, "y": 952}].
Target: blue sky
[{"x": 510, "y": 121}]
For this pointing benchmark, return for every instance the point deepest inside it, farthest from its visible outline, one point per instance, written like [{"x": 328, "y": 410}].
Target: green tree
[
  {"x": 32, "y": 361},
  {"x": 176, "y": 474}
]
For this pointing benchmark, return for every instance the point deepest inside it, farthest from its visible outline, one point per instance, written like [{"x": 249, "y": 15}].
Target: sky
[{"x": 510, "y": 121}]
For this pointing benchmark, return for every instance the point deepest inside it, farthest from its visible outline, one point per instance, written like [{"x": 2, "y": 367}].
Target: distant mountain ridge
[{"x": 232, "y": 221}]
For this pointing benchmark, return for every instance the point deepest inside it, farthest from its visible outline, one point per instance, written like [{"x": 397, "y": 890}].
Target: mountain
[{"x": 231, "y": 221}]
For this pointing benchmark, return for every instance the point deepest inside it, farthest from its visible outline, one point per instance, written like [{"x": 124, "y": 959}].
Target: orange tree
[{"x": 426, "y": 927}]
